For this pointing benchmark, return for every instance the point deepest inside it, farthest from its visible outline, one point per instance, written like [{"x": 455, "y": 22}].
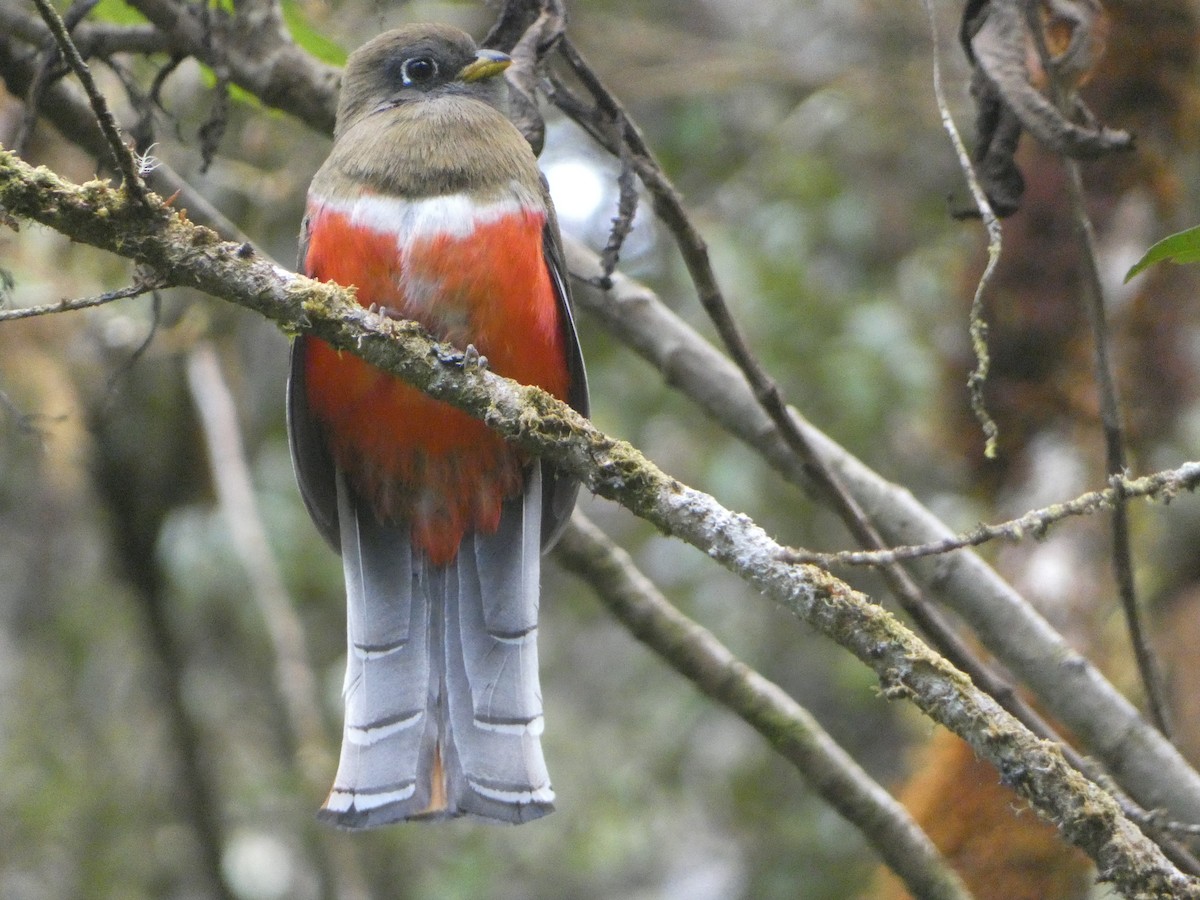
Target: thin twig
[
  {"x": 978, "y": 326},
  {"x": 622, "y": 223},
  {"x": 51, "y": 66},
  {"x": 46, "y": 74},
  {"x": 28, "y": 312},
  {"x": 112, "y": 390},
  {"x": 121, "y": 155},
  {"x": 1114, "y": 451},
  {"x": 1162, "y": 485},
  {"x": 791, "y": 729},
  {"x": 1092, "y": 293}
]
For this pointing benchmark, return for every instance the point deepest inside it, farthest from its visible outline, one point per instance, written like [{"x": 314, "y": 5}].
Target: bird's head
[{"x": 417, "y": 63}]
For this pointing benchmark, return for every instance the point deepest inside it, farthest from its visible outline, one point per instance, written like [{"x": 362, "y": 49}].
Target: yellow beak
[{"x": 487, "y": 64}]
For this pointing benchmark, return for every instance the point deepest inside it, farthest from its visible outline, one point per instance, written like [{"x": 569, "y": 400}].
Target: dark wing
[
  {"x": 558, "y": 491},
  {"x": 311, "y": 459}
]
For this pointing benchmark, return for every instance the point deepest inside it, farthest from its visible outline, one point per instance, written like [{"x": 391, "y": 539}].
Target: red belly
[{"x": 412, "y": 458}]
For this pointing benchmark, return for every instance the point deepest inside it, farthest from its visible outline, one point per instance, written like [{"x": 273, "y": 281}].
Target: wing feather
[{"x": 559, "y": 491}]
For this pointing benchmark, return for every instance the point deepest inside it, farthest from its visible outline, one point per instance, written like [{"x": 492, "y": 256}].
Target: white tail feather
[{"x": 443, "y": 705}]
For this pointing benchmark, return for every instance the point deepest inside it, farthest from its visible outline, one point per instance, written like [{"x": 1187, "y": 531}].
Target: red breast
[{"x": 472, "y": 273}]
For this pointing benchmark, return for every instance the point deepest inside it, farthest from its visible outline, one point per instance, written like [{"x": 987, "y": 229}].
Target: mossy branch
[
  {"x": 162, "y": 240},
  {"x": 797, "y": 736}
]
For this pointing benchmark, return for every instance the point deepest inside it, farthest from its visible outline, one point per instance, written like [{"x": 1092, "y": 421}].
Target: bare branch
[
  {"x": 1164, "y": 486},
  {"x": 28, "y": 312},
  {"x": 1092, "y": 294},
  {"x": 91, "y": 38}
]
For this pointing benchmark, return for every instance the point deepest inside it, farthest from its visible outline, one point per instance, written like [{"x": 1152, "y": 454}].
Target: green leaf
[
  {"x": 1180, "y": 248},
  {"x": 237, "y": 94},
  {"x": 308, "y": 38},
  {"x": 118, "y": 12}
]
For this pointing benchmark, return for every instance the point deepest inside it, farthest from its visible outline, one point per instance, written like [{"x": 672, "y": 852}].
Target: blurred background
[{"x": 144, "y": 740}]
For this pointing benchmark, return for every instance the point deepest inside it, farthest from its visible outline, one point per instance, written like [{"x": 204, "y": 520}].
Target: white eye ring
[{"x": 418, "y": 70}]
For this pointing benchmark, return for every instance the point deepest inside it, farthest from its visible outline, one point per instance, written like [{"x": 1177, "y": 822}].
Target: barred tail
[{"x": 443, "y": 705}]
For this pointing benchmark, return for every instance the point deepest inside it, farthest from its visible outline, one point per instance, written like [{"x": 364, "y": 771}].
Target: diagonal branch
[
  {"x": 188, "y": 255},
  {"x": 1067, "y": 685},
  {"x": 613, "y": 128},
  {"x": 697, "y": 654},
  {"x": 1092, "y": 294},
  {"x": 136, "y": 289},
  {"x": 108, "y": 125},
  {"x": 1114, "y": 451}
]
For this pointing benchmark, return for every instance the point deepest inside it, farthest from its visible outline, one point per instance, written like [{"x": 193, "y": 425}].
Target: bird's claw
[
  {"x": 473, "y": 359},
  {"x": 384, "y": 312},
  {"x": 467, "y": 360}
]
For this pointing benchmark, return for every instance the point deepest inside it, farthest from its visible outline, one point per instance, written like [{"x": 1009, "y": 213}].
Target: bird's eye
[{"x": 418, "y": 70}]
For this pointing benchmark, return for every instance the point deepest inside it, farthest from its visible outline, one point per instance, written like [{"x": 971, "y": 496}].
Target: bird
[{"x": 431, "y": 205}]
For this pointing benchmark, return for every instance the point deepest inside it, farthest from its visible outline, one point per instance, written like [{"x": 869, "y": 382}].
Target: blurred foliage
[{"x": 805, "y": 138}]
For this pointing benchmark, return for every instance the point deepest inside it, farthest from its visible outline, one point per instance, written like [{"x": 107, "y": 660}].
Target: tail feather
[
  {"x": 390, "y": 687},
  {"x": 492, "y": 671},
  {"x": 443, "y": 706}
]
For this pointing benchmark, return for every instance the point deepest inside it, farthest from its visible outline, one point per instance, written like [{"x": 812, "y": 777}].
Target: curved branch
[{"x": 187, "y": 255}]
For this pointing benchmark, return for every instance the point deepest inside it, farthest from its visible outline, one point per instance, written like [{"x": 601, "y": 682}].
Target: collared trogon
[{"x": 431, "y": 205}]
